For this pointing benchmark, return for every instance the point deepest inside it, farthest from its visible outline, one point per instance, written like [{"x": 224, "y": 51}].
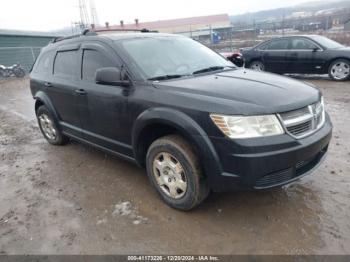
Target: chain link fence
[
  {"x": 249, "y": 32},
  {"x": 25, "y": 56}
]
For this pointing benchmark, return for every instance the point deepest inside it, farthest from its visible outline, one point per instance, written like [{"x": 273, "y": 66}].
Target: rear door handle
[
  {"x": 80, "y": 91},
  {"x": 48, "y": 84}
]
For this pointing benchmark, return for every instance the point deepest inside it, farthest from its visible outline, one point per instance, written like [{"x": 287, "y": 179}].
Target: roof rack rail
[
  {"x": 143, "y": 30},
  {"x": 86, "y": 32}
]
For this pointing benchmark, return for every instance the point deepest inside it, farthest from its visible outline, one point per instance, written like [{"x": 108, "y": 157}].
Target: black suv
[{"x": 168, "y": 103}]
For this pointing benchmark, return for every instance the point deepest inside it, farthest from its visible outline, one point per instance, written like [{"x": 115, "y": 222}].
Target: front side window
[
  {"x": 302, "y": 44},
  {"x": 163, "y": 55},
  {"x": 66, "y": 63},
  {"x": 93, "y": 60},
  {"x": 280, "y": 44}
]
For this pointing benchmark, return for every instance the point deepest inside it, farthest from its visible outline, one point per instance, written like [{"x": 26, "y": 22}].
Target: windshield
[
  {"x": 327, "y": 43},
  {"x": 172, "y": 56}
]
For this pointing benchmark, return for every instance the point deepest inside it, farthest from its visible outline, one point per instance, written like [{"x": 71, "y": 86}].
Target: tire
[
  {"x": 339, "y": 70},
  {"x": 176, "y": 150},
  {"x": 257, "y": 66},
  {"x": 19, "y": 72},
  {"x": 48, "y": 127}
]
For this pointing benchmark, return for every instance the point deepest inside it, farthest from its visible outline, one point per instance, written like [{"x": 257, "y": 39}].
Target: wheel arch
[
  {"x": 42, "y": 99},
  {"x": 337, "y": 58},
  {"x": 173, "y": 121}
]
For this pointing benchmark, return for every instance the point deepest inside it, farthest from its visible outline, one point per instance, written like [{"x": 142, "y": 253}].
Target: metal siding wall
[
  {"x": 21, "y": 49},
  {"x": 16, "y": 41}
]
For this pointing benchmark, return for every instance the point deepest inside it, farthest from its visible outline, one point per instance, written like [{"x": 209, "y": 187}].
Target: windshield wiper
[
  {"x": 165, "y": 77},
  {"x": 209, "y": 69}
]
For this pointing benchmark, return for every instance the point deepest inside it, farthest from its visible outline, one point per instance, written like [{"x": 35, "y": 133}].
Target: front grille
[
  {"x": 304, "y": 121},
  {"x": 300, "y": 128}
]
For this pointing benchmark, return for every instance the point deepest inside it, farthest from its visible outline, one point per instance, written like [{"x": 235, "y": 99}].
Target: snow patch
[
  {"x": 126, "y": 209},
  {"x": 123, "y": 209},
  {"x": 101, "y": 221}
]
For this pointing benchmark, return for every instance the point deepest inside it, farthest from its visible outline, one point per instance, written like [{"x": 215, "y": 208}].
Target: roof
[
  {"x": 27, "y": 33},
  {"x": 211, "y": 19},
  {"x": 290, "y": 36}
]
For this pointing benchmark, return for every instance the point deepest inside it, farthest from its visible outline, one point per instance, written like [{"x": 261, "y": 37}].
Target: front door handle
[
  {"x": 48, "y": 84},
  {"x": 80, "y": 91}
]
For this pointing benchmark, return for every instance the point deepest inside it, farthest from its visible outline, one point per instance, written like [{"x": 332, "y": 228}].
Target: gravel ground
[{"x": 77, "y": 200}]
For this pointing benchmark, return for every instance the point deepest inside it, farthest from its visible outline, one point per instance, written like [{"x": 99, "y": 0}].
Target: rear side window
[
  {"x": 45, "y": 62},
  {"x": 66, "y": 63},
  {"x": 93, "y": 60},
  {"x": 302, "y": 44}
]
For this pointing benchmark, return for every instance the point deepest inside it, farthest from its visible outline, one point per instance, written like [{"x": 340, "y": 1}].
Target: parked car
[
  {"x": 192, "y": 119},
  {"x": 235, "y": 57},
  {"x": 311, "y": 54}
]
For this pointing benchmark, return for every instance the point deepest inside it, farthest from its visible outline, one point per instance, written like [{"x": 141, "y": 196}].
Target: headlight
[{"x": 248, "y": 126}]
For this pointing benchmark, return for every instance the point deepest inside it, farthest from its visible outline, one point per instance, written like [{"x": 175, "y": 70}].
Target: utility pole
[
  {"x": 254, "y": 28},
  {"x": 211, "y": 34},
  {"x": 84, "y": 16},
  {"x": 94, "y": 17},
  {"x": 231, "y": 33}
]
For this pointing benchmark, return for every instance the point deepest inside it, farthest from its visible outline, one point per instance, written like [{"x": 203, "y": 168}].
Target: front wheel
[
  {"x": 339, "y": 70},
  {"x": 174, "y": 170},
  {"x": 257, "y": 66}
]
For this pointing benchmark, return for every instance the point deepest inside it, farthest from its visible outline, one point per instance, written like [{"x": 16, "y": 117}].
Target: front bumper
[{"x": 270, "y": 161}]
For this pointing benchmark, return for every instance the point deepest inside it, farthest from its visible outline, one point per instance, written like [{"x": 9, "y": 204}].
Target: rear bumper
[{"x": 268, "y": 162}]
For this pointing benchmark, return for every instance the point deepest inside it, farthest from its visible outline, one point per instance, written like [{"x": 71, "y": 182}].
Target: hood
[
  {"x": 243, "y": 91},
  {"x": 342, "y": 49}
]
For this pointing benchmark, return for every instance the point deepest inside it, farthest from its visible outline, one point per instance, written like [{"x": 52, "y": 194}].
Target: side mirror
[
  {"x": 316, "y": 49},
  {"x": 111, "y": 76}
]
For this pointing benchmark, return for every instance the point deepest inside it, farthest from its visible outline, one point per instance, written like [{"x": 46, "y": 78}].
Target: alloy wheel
[
  {"x": 47, "y": 126},
  {"x": 340, "y": 70},
  {"x": 257, "y": 66}
]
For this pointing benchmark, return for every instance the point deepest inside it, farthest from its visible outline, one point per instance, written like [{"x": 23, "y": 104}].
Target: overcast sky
[{"x": 44, "y": 15}]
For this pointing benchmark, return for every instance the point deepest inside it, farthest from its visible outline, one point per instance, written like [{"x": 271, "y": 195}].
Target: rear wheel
[
  {"x": 174, "y": 171},
  {"x": 48, "y": 127},
  {"x": 339, "y": 70},
  {"x": 257, "y": 66}
]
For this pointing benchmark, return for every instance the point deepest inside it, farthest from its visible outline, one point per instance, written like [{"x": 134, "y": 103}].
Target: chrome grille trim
[{"x": 304, "y": 121}]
